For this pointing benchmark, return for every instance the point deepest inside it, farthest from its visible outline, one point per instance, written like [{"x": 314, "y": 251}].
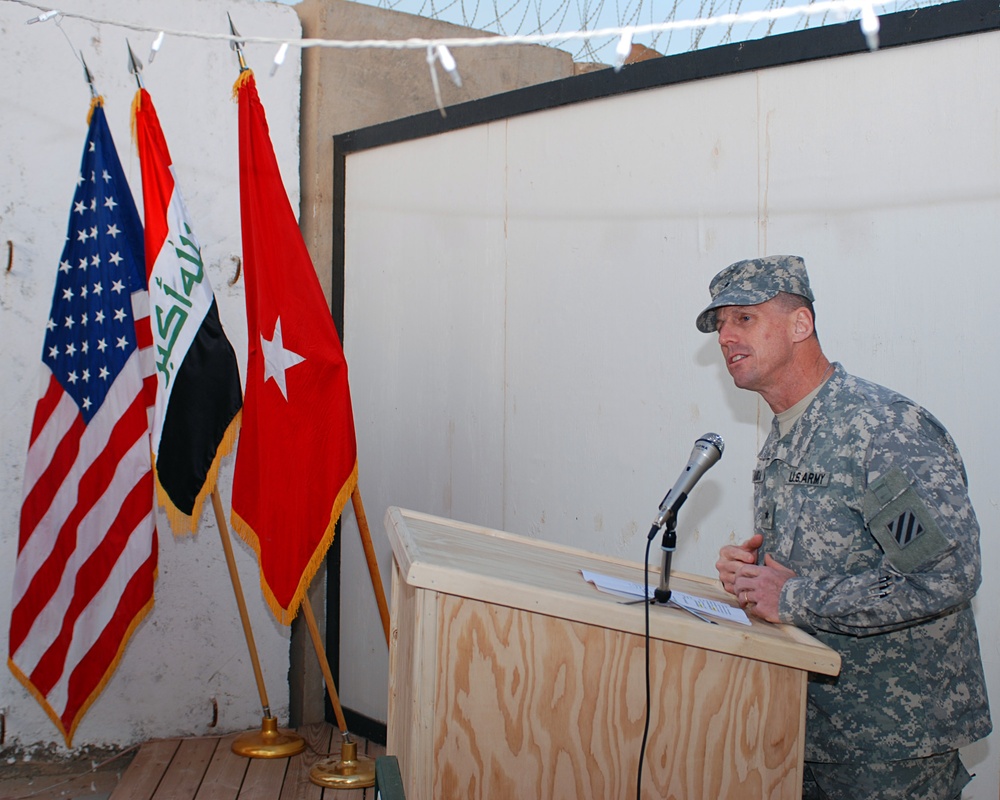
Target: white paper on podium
[{"x": 689, "y": 602}]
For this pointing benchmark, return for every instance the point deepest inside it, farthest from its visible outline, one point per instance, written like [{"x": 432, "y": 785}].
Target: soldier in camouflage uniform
[{"x": 864, "y": 536}]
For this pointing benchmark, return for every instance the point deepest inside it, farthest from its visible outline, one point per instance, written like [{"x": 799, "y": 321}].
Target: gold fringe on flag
[
  {"x": 247, "y": 534},
  {"x": 25, "y": 681},
  {"x": 97, "y": 100},
  {"x": 136, "y": 105},
  {"x": 245, "y": 75},
  {"x": 180, "y": 523}
]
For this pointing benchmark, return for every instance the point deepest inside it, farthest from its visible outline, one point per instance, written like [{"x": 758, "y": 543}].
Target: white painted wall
[
  {"x": 190, "y": 649},
  {"x": 520, "y": 306}
]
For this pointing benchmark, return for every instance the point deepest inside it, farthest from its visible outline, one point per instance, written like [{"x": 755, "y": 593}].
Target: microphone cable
[{"x": 645, "y": 728}]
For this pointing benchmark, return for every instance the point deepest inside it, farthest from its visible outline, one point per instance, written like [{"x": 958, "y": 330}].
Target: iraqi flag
[
  {"x": 297, "y": 464},
  {"x": 198, "y": 395}
]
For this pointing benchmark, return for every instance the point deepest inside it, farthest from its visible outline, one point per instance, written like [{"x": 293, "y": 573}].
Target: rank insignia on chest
[{"x": 802, "y": 477}]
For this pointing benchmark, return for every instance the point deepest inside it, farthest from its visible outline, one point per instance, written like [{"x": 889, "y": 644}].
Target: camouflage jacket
[{"x": 865, "y": 499}]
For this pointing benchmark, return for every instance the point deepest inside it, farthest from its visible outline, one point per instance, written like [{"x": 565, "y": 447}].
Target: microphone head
[
  {"x": 706, "y": 451},
  {"x": 714, "y": 440}
]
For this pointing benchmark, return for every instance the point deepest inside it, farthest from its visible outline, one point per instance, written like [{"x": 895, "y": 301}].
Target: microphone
[{"x": 707, "y": 450}]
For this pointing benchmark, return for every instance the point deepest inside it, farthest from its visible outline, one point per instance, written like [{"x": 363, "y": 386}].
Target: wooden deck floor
[{"x": 207, "y": 769}]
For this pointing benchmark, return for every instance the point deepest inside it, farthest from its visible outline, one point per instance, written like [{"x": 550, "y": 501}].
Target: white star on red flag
[{"x": 277, "y": 359}]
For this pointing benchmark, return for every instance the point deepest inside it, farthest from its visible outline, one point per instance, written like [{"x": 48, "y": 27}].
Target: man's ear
[{"x": 802, "y": 324}]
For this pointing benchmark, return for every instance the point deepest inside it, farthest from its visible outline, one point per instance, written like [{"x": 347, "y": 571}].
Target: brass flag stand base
[
  {"x": 350, "y": 772},
  {"x": 268, "y": 742}
]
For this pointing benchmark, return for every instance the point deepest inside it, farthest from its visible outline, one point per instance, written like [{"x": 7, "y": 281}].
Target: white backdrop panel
[{"x": 519, "y": 313}]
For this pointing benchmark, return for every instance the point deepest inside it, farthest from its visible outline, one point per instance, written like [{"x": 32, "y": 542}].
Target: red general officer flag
[{"x": 296, "y": 465}]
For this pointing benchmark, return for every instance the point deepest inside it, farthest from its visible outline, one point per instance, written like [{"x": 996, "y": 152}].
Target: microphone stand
[
  {"x": 661, "y": 596},
  {"x": 667, "y": 544}
]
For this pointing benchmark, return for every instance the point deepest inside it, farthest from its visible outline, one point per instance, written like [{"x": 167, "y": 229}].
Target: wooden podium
[{"x": 511, "y": 677}]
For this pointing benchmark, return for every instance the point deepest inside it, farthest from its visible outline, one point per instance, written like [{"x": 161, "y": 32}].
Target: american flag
[{"x": 87, "y": 552}]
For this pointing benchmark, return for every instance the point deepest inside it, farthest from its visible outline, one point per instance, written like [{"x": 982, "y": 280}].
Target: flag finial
[
  {"x": 236, "y": 44},
  {"x": 88, "y": 76},
  {"x": 134, "y": 64}
]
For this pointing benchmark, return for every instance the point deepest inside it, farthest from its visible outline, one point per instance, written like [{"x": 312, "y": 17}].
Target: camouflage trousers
[{"x": 937, "y": 777}]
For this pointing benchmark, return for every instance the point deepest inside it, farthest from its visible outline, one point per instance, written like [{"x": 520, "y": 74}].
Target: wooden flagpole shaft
[
  {"x": 324, "y": 664},
  {"x": 350, "y": 771},
  {"x": 366, "y": 542},
  {"x": 227, "y": 546}
]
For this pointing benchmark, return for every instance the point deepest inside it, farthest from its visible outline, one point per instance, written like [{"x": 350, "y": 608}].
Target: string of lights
[
  {"x": 438, "y": 51},
  {"x": 538, "y": 16},
  {"x": 843, "y": 9}
]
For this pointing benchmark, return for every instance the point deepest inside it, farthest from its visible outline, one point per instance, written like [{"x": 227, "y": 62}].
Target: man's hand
[
  {"x": 759, "y": 587},
  {"x": 733, "y": 556}
]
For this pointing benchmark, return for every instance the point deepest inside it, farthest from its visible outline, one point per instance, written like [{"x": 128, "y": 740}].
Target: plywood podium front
[{"x": 510, "y": 676}]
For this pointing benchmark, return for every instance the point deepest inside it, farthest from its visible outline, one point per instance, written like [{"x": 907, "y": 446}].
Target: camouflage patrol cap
[{"x": 755, "y": 281}]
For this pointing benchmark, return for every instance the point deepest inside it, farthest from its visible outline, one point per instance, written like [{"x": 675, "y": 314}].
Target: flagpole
[
  {"x": 269, "y": 742},
  {"x": 89, "y": 77},
  {"x": 366, "y": 542},
  {"x": 351, "y": 770}
]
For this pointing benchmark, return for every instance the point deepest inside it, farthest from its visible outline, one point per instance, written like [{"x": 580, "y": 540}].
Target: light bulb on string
[
  {"x": 155, "y": 47},
  {"x": 44, "y": 16},
  {"x": 279, "y": 57},
  {"x": 870, "y": 26},
  {"x": 623, "y": 49},
  {"x": 448, "y": 62},
  {"x": 431, "y": 58}
]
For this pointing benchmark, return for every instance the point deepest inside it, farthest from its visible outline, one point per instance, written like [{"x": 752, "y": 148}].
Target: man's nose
[{"x": 726, "y": 332}]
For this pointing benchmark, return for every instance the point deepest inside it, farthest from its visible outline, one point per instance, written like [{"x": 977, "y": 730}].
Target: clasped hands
[{"x": 756, "y": 587}]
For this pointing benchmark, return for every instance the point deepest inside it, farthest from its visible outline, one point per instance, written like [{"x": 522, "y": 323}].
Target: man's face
[{"x": 756, "y": 342}]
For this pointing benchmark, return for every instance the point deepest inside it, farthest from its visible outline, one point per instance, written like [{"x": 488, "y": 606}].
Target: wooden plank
[
  {"x": 187, "y": 769},
  {"x": 373, "y": 749},
  {"x": 207, "y": 769},
  {"x": 225, "y": 773},
  {"x": 412, "y": 676},
  {"x": 263, "y": 779},
  {"x": 297, "y": 785},
  {"x": 146, "y": 770}
]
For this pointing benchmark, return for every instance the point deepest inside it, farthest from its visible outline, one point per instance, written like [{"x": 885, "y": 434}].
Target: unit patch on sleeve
[
  {"x": 905, "y": 528},
  {"x": 901, "y": 523}
]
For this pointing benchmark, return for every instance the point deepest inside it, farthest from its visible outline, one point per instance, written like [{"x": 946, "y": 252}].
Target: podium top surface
[{"x": 457, "y": 558}]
